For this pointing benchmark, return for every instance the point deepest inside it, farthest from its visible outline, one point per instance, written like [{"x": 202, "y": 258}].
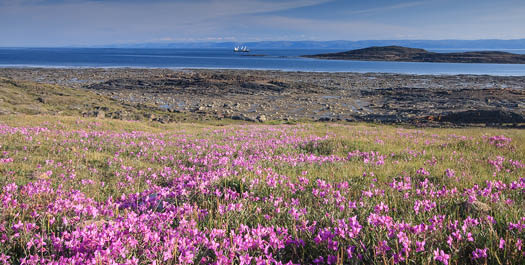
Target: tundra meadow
[{"x": 87, "y": 191}]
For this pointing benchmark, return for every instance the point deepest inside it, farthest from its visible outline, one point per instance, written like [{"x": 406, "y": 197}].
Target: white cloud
[
  {"x": 317, "y": 29},
  {"x": 107, "y": 21},
  {"x": 81, "y": 22},
  {"x": 388, "y": 7}
]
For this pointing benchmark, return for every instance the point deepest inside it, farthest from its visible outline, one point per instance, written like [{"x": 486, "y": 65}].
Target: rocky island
[{"x": 404, "y": 54}]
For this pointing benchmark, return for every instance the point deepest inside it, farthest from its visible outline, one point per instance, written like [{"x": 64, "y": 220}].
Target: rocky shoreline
[{"x": 427, "y": 100}]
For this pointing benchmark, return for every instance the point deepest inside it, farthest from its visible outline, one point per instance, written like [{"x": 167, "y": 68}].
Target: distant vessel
[{"x": 241, "y": 49}]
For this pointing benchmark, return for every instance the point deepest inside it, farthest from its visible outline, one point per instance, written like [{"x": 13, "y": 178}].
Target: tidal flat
[{"x": 260, "y": 96}]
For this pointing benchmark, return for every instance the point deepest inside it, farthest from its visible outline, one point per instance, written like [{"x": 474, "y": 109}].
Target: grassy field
[{"x": 100, "y": 191}]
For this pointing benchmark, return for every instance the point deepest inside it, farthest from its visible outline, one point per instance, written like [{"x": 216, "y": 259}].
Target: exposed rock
[
  {"x": 475, "y": 207},
  {"x": 242, "y": 117},
  {"x": 426, "y": 100},
  {"x": 149, "y": 116},
  {"x": 161, "y": 120},
  {"x": 261, "y": 118},
  {"x": 325, "y": 119},
  {"x": 484, "y": 116},
  {"x": 99, "y": 114},
  {"x": 4, "y": 112}
]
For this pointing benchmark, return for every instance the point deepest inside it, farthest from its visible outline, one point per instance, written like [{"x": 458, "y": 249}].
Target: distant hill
[
  {"x": 339, "y": 44},
  {"x": 404, "y": 54}
]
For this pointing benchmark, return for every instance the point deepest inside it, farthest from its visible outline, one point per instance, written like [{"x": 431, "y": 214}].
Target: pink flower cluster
[{"x": 249, "y": 195}]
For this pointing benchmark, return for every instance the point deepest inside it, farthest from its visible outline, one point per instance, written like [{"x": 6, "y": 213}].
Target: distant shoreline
[{"x": 404, "y": 54}]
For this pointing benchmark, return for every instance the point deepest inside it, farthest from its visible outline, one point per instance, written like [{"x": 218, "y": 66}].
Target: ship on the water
[{"x": 241, "y": 49}]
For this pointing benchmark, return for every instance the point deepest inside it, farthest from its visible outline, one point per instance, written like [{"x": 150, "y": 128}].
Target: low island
[{"x": 404, "y": 54}]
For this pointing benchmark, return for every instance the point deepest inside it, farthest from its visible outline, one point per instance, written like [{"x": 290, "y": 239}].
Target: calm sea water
[{"x": 286, "y": 60}]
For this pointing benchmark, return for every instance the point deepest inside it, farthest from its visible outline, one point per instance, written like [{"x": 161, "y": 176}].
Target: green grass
[
  {"x": 21, "y": 97},
  {"x": 124, "y": 155}
]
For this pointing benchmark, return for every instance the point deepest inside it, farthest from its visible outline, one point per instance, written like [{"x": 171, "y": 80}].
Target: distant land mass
[
  {"x": 404, "y": 54},
  {"x": 487, "y": 44}
]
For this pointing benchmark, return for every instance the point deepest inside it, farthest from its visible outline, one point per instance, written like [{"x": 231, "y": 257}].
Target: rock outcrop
[{"x": 404, "y": 54}]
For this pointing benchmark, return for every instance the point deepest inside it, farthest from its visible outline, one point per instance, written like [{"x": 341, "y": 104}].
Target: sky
[{"x": 48, "y": 23}]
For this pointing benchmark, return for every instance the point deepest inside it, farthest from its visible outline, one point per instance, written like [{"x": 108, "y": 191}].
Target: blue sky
[{"x": 96, "y": 22}]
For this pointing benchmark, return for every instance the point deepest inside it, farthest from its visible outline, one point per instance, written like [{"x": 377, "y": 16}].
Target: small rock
[
  {"x": 149, "y": 116},
  {"x": 99, "y": 114},
  {"x": 481, "y": 207},
  {"x": 161, "y": 120},
  {"x": 242, "y": 117},
  {"x": 261, "y": 118},
  {"x": 475, "y": 207},
  {"x": 324, "y": 119}
]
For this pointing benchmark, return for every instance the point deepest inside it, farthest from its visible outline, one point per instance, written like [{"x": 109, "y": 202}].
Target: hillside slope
[{"x": 22, "y": 97}]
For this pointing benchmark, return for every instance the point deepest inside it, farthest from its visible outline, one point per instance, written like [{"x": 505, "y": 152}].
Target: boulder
[
  {"x": 262, "y": 118},
  {"x": 99, "y": 114},
  {"x": 474, "y": 208},
  {"x": 149, "y": 116},
  {"x": 242, "y": 117}
]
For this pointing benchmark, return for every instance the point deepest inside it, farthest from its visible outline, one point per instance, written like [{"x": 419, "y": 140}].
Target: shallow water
[{"x": 285, "y": 60}]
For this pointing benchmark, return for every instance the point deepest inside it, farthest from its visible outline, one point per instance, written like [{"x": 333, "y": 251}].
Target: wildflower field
[{"x": 87, "y": 191}]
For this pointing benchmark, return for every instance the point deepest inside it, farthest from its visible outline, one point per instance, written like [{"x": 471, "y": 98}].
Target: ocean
[{"x": 270, "y": 59}]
